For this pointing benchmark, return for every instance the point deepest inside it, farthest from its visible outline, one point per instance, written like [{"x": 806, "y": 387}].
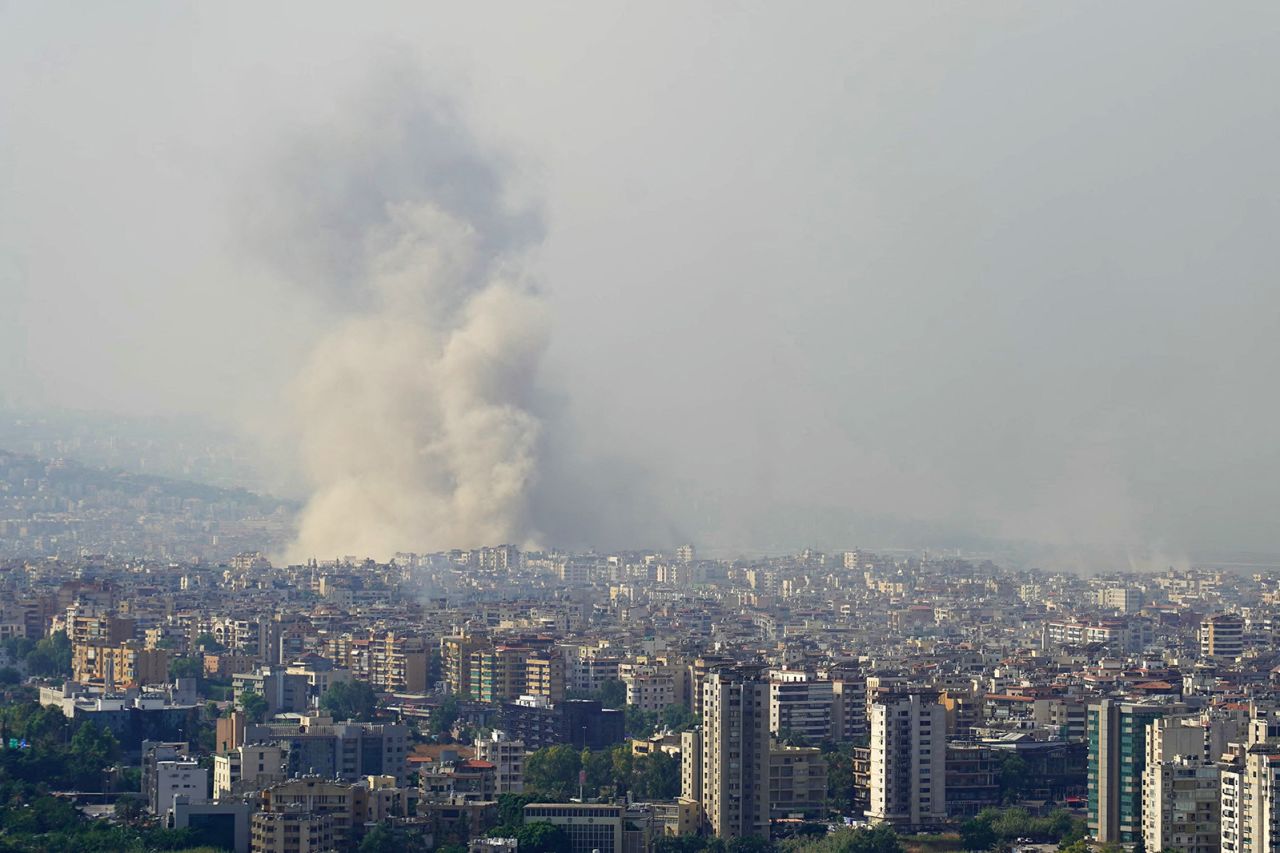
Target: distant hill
[{"x": 61, "y": 507}]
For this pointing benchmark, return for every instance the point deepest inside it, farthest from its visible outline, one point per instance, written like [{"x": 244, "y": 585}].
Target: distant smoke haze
[{"x": 877, "y": 274}]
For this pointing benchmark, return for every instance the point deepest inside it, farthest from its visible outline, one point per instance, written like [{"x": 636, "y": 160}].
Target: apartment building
[
  {"x": 398, "y": 662},
  {"x": 1222, "y": 637},
  {"x": 800, "y": 706},
  {"x": 126, "y": 664},
  {"x": 908, "y": 760},
  {"x": 1180, "y": 788},
  {"x": 507, "y": 757},
  {"x": 248, "y": 767},
  {"x": 797, "y": 782},
  {"x": 1250, "y": 800},
  {"x": 735, "y": 752},
  {"x": 1116, "y": 733}
]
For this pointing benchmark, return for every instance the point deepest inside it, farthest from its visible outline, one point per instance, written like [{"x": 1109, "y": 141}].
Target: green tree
[
  {"x": 385, "y": 838},
  {"x": 511, "y": 810},
  {"x": 129, "y": 810},
  {"x": 185, "y": 667},
  {"x": 613, "y": 694},
  {"x": 1012, "y": 823},
  {"x": 623, "y": 762},
  {"x": 445, "y": 715},
  {"x": 639, "y": 723},
  {"x": 880, "y": 839},
  {"x": 992, "y": 827},
  {"x": 254, "y": 705},
  {"x": 350, "y": 700},
  {"x": 680, "y": 844},
  {"x": 599, "y": 766},
  {"x": 1015, "y": 777},
  {"x": 554, "y": 771},
  {"x": 17, "y": 647},
  {"x": 656, "y": 777},
  {"x": 977, "y": 834},
  {"x": 93, "y": 749},
  {"x": 51, "y": 656},
  {"x": 839, "y": 780},
  {"x": 542, "y": 837},
  {"x": 206, "y": 642},
  {"x": 677, "y": 718}
]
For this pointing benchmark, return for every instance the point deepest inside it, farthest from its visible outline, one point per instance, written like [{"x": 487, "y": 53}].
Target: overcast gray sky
[{"x": 995, "y": 269}]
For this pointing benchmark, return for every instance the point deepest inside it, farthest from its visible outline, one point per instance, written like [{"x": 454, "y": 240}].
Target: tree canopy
[
  {"x": 254, "y": 705},
  {"x": 542, "y": 837},
  {"x": 350, "y": 700}
]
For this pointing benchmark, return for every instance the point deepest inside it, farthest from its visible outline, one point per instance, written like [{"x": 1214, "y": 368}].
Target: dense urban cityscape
[
  {"x": 716, "y": 426},
  {"x": 499, "y": 699}
]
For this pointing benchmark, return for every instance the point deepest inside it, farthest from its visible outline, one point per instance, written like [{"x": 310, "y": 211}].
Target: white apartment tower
[{"x": 908, "y": 760}]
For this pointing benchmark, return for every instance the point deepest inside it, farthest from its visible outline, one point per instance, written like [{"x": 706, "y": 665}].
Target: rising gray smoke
[{"x": 413, "y": 413}]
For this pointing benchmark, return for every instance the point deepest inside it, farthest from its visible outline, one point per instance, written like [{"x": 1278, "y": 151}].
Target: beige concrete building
[
  {"x": 1180, "y": 790},
  {"x": 1222, "y": 637},
  {"x": 292, "y": 831},
  {"x": 507, "y": 757},
  {"x": 908, "y": 760},
  {"x": 249, "y": 767},
  {"x": 735, "y": 753},
  {"x": 126, "y": 664},
  {"x": 1250, "y": 800}
]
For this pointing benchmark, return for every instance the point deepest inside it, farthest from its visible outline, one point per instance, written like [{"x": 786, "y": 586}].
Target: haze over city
[
  {"x": 755, "y": 276},
  {"x": 639, "y": 427}
]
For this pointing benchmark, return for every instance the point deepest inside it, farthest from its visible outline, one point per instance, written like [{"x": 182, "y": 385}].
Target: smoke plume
[{"x": 413, "y": 413}]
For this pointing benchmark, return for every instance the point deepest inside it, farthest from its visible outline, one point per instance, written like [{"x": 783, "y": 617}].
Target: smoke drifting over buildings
[
  {"x": 413, "y": 413},
  {"x": 875, "y": 275}
]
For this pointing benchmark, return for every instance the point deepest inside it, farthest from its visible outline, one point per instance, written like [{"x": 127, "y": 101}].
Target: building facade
[
  {"x": 1116, "y": 733},
  {"x": 908, "y": 760}
]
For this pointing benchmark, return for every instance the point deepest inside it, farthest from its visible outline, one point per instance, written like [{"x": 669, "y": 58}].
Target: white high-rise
[{"x": 908, "y": 760}]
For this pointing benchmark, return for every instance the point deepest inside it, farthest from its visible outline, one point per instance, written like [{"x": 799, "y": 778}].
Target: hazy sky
[{"x": 997, "y": 269}]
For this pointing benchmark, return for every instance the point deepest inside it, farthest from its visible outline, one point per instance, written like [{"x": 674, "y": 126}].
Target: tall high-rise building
[
  {"x": 1222, "y": 637},
  {"x": 1180, "y": 790},
  {"x": 1250, "y": 802},
  {"x": 800, "y": 706},
  {"x": 455, "y": 654},
  {"x": 848, "y": 707},
  {"x": 691, "y": 766},
  {"x": 1117, "y": 742},
  {"x": 908, "y": 776},
  {"x": 735, "y": 752},
  {"x": 398, "y": 662},
  {"x": 1250, "y": 788}
]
